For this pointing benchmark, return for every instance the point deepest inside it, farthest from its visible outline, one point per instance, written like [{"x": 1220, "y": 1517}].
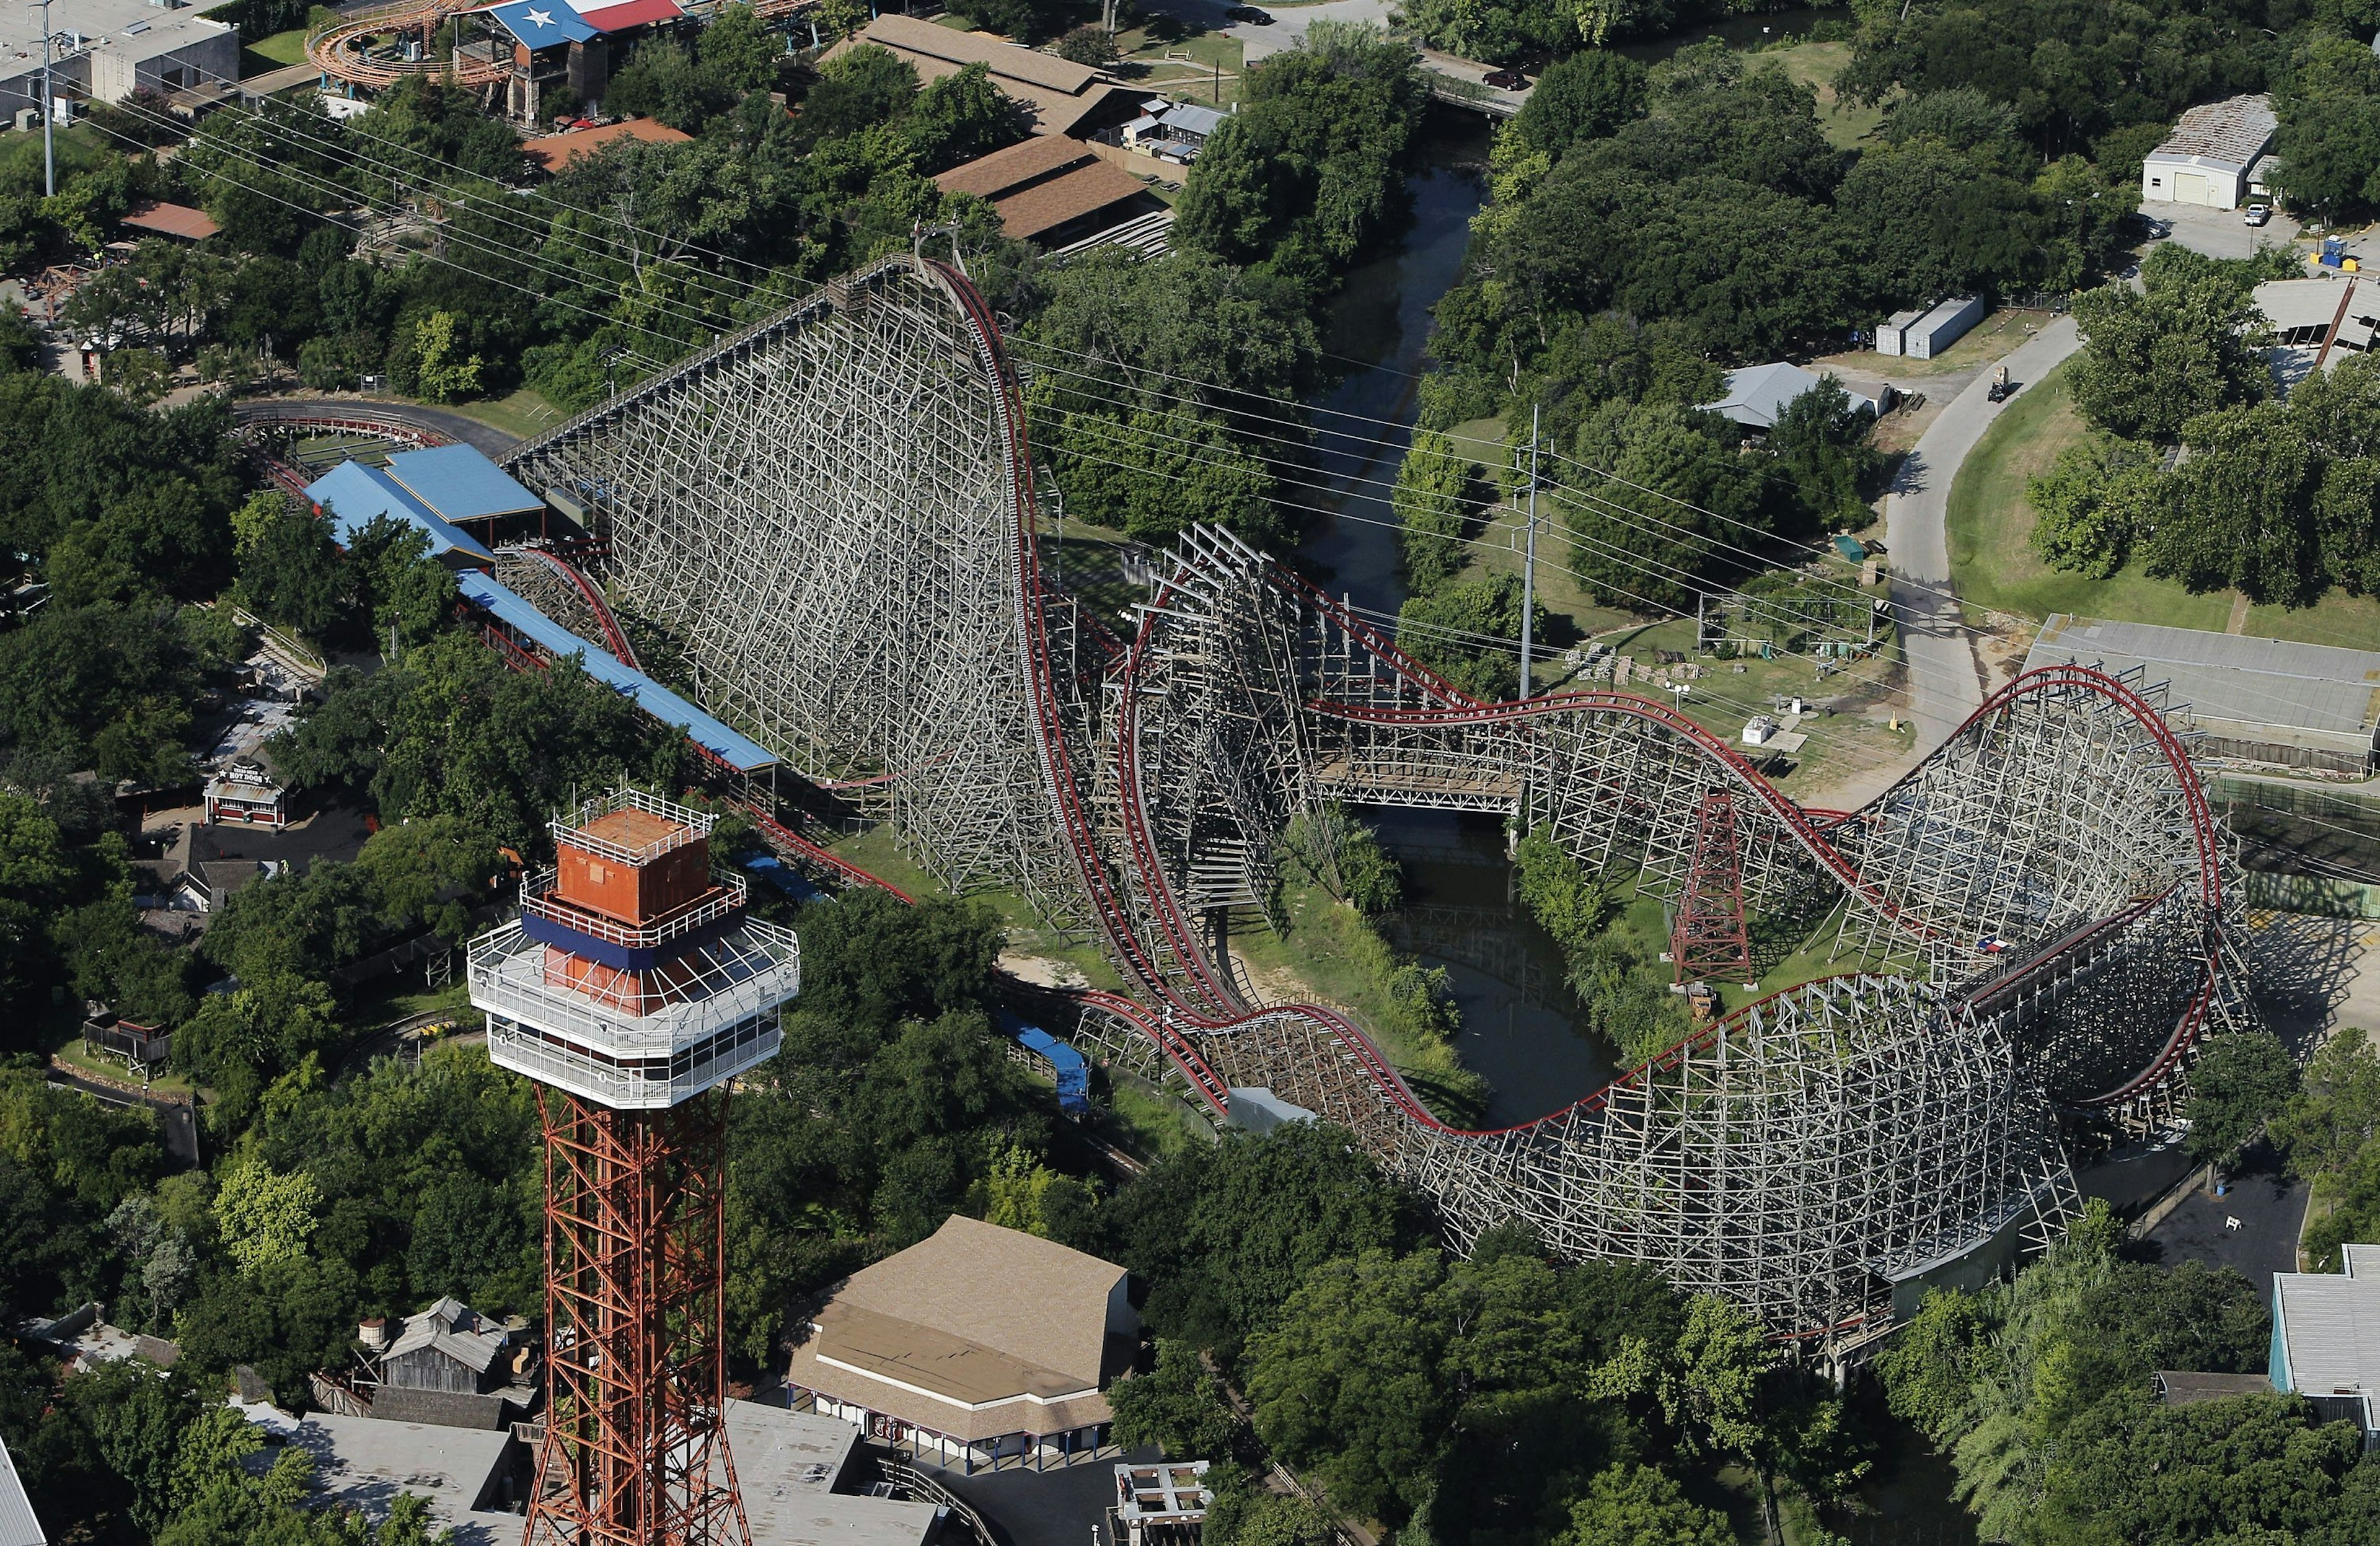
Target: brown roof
[
  {"x": 2183, "y": 1389},
  {"x": 1038, "y": 156},
  {"x": 1059, "y": 93},
  {"x": 1046, "y": 206},
  {"x": 2232, "y": 133},
  {"x": 1009, "y": 61},
  {"x": 171, "y": 220},
  {"x": 554, "y": 152}
]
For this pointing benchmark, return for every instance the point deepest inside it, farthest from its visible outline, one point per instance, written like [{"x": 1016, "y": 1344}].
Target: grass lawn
[
  {"x": 1188, "y": 67},
  {"x": 1844, "y": 124},
  {"x": 525, "y": 413},
  {"x": 273, "y": 52},
  {"x": 1155, "y": 1122}
]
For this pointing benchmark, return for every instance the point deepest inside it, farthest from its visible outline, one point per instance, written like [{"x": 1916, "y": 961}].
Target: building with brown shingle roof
[
  {"x": 1064, "y": 97},
  {"x": 1050, "y": 189},
  {"x": 979, "y": 1345}
]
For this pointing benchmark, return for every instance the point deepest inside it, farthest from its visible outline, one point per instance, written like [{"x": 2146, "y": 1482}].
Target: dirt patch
[{"x": 1042, "y": 972}]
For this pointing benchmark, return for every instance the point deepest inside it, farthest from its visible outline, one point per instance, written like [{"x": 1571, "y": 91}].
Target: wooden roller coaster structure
[{"x": 834, "y": 514}]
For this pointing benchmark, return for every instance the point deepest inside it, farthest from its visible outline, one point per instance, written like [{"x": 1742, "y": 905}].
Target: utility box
[{"x": 1890, "y": 334}]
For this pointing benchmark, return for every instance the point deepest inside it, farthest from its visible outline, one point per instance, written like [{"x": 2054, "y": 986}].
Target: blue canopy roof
[
  {"x": 540, "y": 22},
  {"x": 355, "y": 494},
  {"x": 741, "y": 753},
  {"x": 459, "y": 482}
]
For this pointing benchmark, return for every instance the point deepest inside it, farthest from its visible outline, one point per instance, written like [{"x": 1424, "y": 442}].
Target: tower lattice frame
[
  {"x": 634, "y": 1244},
  {"x": 1710, "y": 939}
]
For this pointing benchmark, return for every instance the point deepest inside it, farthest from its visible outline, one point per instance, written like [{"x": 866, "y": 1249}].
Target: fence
[{"x": 925, "y": 1488}]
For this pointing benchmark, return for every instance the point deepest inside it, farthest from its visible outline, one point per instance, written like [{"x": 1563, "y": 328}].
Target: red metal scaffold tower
[
  {"x": 1710, "y": 939},
  {"x": 631, "y": 989}
]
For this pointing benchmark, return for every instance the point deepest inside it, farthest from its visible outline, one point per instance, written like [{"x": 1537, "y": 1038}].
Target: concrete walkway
[{"x": 1945, "y": 681}]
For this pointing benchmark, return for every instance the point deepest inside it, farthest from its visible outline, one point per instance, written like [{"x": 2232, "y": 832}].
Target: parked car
[
  {"x": 1248, "y": 14},
  {"x": 2258, "y": 214},
  {"x": 1509, "y": 80}
]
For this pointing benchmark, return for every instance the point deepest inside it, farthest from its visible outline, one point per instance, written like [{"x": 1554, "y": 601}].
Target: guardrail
[{"x": 908, "y": 1479}]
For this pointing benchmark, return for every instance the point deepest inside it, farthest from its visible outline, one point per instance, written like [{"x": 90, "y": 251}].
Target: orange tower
[{"x": 632, "y": 988}]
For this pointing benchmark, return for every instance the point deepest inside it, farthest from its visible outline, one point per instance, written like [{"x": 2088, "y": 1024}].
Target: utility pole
[
  {"x": 1529, "y": 561},
  {"x": 49, "y": 108}
]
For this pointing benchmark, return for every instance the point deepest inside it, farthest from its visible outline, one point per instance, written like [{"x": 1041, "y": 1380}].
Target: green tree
[
  {"x": 1821, "y": 445},
  {"x": 2096, "y": 500},
  {"x": 442, "y": 375},
  {"x": 2188, "y": 342},
  {"x": 1470, "y": 635},
  {"x": 2336, "y": 1112},
  {"x": 1436, "y": 500},
  {"x": 2327, "y": 148},
  {"x": 1177, "y": 1406},
  {"x": 2241, "y": 509},
  {"x": 266, "y": 1217},
  {"x": 433, "y": 871},
  {"x": 1636, "y": 1506},
  {"x": 2240, "y": 1083},
  {"x": 290, "y": 574},
  {"x": 739, "y": 49},
  {"x": 962, "y": 115},
  {"x": 1348, "y": 1382},
  {"x": 1586, "y": 96}
]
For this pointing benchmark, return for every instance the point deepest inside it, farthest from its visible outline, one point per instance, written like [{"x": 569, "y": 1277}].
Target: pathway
[
  {"x": 495, "y": 443},
  {"x": 1945, "y": 681}
]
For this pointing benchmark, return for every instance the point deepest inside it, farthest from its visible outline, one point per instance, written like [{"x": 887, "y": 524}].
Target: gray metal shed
[{"x": 1941, "y": 327}]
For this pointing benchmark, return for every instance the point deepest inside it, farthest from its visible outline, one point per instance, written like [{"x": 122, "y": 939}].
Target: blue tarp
[
  {"x": 1073, "y": 1073},
  {"x": 785, "y": 878},
  {"x": 460, "y": 483},
  {"x": 738, "y": 752},
  {"x": 355, "y": 494}
]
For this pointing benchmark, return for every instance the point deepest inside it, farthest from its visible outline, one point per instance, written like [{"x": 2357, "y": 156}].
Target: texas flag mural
[{"x": 540, "y": 23}]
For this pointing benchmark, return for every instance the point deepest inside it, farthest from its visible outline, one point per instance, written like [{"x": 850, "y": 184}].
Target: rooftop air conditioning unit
[{"x": 28, "y": 119}]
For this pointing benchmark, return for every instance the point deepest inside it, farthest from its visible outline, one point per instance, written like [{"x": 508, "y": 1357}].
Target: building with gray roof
[
  {"x": 2326, "y": 1340},
  {"x": 2266, "y": 703},
  {"x": 1758, "y": 395},
  {"x": 2212, "y": 157}
]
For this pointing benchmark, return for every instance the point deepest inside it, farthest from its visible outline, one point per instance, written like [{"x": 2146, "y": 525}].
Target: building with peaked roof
[
  {"x": 1052, "y": 191},
  {"x": 2212, "y": 157},
  {"x": 1758, "y": 395},
  {"x": 461, "y": 484},
  {"x": 1064, "y": 97},
  {"x": 354, "y": 495},
  {"x": 2326, "y": 1340},
  {"x": 978, "y": 1346},
  {"x": 2315, "y": 707},
  {"x": 451, "y": 1366},
  {"x": 170, "y": 220}
]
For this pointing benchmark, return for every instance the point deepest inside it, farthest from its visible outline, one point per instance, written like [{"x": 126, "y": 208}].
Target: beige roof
[
  {"x": 975, "y": 1332},
  {"x": 2228, "y": 133}
]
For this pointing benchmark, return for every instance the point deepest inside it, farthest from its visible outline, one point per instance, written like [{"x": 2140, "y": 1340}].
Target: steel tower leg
[
  {"x": 633, "y": 1453},
  {"x": 1710, "y": 939}
]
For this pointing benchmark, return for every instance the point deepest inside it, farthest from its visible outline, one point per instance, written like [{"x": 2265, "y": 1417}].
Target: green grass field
[
  {"x": 1816, "y": 65},
  {"x": 1993, "y": 564},
  {"x": 525, "y": 413},
  {"x": 274, "y": 52}
]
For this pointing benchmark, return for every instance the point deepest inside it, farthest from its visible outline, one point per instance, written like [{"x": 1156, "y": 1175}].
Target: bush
[{"x": 1089, "y": 44}]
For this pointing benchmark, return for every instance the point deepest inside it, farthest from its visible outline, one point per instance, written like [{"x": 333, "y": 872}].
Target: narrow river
[{"x": 1506, "y": 972}]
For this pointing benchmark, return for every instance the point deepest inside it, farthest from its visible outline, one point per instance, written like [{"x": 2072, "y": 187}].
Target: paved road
[
  {"x": 454, "y": 426},
  {"x": 1944, "y": 685}
]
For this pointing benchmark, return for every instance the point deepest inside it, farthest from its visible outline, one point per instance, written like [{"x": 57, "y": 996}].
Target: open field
[
  {"x": 1816, "y": 65},
  {"x": 525, "y": 413},
  {"x": 274, "y": 52}
]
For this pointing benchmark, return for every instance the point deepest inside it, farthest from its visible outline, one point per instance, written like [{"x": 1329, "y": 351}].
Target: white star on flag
[{"x": 540, "y": 19}]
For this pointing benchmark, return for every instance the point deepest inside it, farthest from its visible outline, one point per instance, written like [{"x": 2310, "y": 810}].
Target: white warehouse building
[
  {"x": 105, "y": 50},
  {"x": 2216, "y": 156}
]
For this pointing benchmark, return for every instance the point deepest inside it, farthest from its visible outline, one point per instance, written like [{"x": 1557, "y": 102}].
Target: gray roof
[
  {"x": 2330, "y": 1325},
  {"x": 18, "y": 1525},
  {"x": 2229, "y": 133},
  {"x": 1192, "y": 117},
  {"x": 2257, "y": 689},
  {"x": 364, "y": 1463},
  {"x": 1758, "y": 394},
  {"x": 455, "y": 1330},
  {"x": 786, "y": 1468}
]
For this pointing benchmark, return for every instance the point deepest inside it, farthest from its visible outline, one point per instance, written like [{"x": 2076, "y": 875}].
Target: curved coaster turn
[{"x": 835, "y": 514}]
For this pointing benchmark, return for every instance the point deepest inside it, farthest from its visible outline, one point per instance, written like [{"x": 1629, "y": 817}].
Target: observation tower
[{"x": 632, "y": 988}]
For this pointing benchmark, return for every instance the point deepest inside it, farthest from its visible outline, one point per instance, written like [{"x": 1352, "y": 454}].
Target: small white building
[
  {"x": 1943, "y": 326},
  {"x": 2214, "y": 157},
  {"x": 107, "y": 49}
]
